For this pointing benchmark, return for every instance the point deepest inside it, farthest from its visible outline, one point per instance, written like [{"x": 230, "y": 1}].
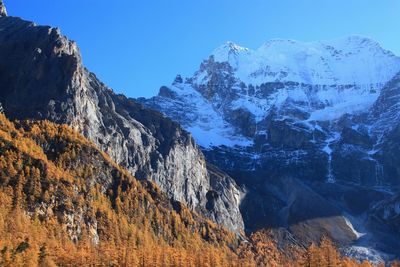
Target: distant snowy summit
[
  {"x": 348, "y": 60},
  {"x": 237, "y": 92}
]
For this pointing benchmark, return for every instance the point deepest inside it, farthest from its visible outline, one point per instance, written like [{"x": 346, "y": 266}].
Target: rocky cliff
[
  {"x": 65, "y": 202},
  {"x": 42, "y": 77}
]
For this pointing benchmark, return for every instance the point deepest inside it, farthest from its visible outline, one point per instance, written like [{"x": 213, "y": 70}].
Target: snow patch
[
  {"x": 328, "y": 150},
  {"x": 363, "y": 253},
  {"x": 213, "y": 137},
  {"x": 207, "y": 126},
  {"x": 340, "y": 102},
  {"x": 350, "y": 225}
]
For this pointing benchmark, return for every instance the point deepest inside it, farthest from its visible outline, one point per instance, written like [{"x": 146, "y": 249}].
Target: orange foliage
[{"x": 63, "y": 202}]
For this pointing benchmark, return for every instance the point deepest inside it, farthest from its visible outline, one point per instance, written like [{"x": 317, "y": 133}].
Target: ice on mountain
[
  {"x": 341, "y": 61},
  {"x": 301, "y": 82}
]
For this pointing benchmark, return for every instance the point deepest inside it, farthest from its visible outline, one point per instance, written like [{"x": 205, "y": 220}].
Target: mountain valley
[{"x": 287, "y": 155}]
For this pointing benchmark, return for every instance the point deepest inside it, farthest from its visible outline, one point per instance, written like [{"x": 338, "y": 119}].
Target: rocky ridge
[{"x": 42, "y": 77}]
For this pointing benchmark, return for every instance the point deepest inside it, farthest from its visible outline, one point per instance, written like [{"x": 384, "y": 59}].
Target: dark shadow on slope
[{"x": 308, "y": 210}]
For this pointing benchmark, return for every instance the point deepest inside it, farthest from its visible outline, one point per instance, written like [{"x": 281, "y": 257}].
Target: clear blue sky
[{"x": 137, "y": 46}]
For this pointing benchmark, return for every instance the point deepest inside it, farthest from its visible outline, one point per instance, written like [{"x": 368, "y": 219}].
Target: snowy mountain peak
[
  {"x": 348, "y": 60},
  {"x": 227, "y": 50},
  {"x": 352, "y": 43},
  {"x": 237, "y": 92}
]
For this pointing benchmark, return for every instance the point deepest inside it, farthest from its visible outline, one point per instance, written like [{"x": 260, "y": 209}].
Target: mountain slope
[
  {"x": 62, "y": 191},
  {"x": 66, "y": 203},
  {"x": 42, "y": 77},
  {"x": 296, "y": 124}
]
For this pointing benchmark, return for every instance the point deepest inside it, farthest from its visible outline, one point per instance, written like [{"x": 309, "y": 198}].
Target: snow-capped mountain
[
  {"x": 321, "y": 115},
  {"x": 343, "y": 61},
  {"x": 321, "y": 81}
]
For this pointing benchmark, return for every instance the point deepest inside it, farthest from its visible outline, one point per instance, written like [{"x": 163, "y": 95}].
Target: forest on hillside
[{"x": 63, "y": 202}]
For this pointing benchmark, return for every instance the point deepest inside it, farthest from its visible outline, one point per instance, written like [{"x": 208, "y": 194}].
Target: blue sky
[{"x": 137, "y": 46}]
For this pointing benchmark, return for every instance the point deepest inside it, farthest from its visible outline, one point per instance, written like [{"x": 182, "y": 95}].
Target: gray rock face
[
  {"x": 42, "y": 77},
  {"x": 388, "y": 212},
  {"x": 223, "y": 199},
  {"x": 3, "y": 10}
]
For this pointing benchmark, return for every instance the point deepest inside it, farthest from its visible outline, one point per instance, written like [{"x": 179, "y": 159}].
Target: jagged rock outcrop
[
  {"x": 223, "y": 199},
  {"x": 388, "y": 212},
  {"x": 42, "y": 77},
  {"x": 3, "y": 10}
]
